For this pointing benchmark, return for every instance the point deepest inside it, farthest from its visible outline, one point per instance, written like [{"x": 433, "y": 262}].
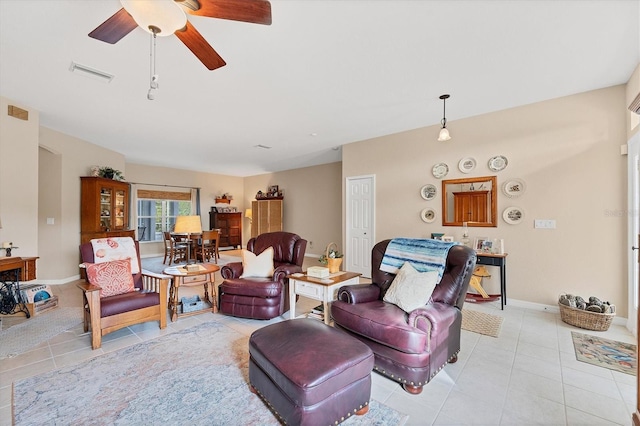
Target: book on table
[{"x": 318, "y": 310}]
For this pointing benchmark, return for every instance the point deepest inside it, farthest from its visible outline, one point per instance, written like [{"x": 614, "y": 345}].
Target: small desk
[
  {"x": 12, "y": 271},
  {"x": 322, "y": 289},
  {"x": 181, "y": 278},
  {"x": 499, "y": 260}
]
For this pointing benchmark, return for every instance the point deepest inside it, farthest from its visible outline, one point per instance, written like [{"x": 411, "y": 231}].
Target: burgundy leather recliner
[
  {"x": 408, "y": 348},
  {"x": 262, "y": 298}
]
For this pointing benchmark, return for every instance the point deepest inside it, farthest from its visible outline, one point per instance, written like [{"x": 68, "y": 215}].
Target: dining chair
[
  {"x": 173, "y": 251},
  {"x": 207, "y": 249}
]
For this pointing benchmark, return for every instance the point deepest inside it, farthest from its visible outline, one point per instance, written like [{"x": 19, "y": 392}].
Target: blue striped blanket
[{"x": 423, "y": 254}]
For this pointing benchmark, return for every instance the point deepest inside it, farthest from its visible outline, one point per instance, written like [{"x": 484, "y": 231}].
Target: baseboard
[
  {"x": 554, "y": 309},
  {"x": 57, "y": 282}
]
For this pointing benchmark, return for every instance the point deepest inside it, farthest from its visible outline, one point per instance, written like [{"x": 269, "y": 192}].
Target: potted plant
[
  {"x": 110, "y": 173},
  {"x": 332, "y": 258}
]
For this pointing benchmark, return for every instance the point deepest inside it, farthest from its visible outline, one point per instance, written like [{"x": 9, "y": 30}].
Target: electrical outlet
[{"x": 310, "y": 244}]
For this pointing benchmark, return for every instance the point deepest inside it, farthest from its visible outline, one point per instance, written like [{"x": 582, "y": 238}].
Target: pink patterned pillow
[{"x": 112, "y": 277}]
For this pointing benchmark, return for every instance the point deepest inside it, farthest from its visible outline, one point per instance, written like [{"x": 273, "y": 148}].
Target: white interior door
[
  {"x": 633, "y": 167},
  {"x": 360, "y": 222}
]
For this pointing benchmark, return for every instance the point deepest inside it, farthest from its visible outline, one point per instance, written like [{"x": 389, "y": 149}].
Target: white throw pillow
[
  {"x": 411, "y": 289},
  {"x": 260, "y": 266}
]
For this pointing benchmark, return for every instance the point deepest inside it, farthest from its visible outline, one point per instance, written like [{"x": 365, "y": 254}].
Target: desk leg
[
  {"x": 503, "y": 281},
  {"x": 292, "y": 299}
]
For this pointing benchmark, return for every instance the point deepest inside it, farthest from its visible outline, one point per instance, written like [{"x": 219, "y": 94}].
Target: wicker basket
[
  {"x": 586, "y": 319},
  {"x": 333, "y": 263}
]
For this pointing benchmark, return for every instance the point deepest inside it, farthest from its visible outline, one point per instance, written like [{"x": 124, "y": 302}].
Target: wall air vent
[
  {"x": 91, "y": 72},
  {"x": 262, "y": 146},
  {"x": 635, "y": 105}
]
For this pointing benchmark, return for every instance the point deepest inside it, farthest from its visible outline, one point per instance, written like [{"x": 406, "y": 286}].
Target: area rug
[
  {"x": 197, "y": 376},
  {"x": 479, "y": 322},
  {"x": 611, "y": 354},
  {"x": 37, "y": 329},
  {"x": 154, "y": 264}
]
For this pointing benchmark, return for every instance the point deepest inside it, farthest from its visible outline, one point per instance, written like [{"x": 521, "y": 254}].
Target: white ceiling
[{"x": 340, "y": 70}]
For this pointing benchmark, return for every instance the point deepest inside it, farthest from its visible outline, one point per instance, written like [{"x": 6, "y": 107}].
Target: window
[{"x": 157, "y": 212}]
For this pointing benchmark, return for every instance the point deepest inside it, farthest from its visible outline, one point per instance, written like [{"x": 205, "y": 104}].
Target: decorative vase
[{"x": 334, "y": 264}]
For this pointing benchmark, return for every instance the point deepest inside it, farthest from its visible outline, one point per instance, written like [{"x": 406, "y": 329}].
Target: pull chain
[{"x": 153, "y": 83}]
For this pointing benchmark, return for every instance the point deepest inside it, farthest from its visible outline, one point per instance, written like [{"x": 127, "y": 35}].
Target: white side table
[{"x": 322, "y": 289}]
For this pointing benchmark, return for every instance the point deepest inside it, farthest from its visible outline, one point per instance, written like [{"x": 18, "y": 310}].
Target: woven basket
[
  {"x": 586, "y": 319},
  {"x": 333, "y": 263}
]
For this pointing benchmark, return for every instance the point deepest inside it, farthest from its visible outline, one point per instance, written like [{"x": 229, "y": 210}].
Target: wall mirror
[{"x": 471, "y": 200}]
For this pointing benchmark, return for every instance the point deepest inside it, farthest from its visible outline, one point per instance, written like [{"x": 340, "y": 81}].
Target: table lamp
[
  {"x": 248, "y": 213},
  {"x": 188, "y": 225}
]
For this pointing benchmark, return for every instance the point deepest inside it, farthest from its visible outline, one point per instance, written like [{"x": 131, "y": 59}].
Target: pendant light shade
[{"x": 444, "y": 133}]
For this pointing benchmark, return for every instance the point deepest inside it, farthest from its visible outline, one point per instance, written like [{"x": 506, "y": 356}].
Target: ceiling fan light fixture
[
  {"x": 444, "y": 135},
  {"x": 162, "y": 17}
]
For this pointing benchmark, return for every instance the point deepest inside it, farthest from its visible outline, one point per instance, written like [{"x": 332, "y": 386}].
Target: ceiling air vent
[{"x": 635, "y": 105}]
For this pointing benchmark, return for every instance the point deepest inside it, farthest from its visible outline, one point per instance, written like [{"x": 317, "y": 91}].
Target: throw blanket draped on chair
[
  {"x": 423, "y": 254},
  {"x": 117, "y": 248}
]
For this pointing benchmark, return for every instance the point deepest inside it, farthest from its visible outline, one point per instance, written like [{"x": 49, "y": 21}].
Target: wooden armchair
[
  {"x": 173, "y": 250},
  {"x": 148, "y": 302}
]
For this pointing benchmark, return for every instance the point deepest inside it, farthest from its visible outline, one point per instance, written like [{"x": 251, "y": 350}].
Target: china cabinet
[{"x": 104, "y": 209}]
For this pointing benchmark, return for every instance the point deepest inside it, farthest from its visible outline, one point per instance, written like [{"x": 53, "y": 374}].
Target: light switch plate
[{"x": 544, "y": 224}]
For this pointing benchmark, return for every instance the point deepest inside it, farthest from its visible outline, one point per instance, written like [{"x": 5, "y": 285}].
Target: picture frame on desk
[
  {"x": 447, "y": 238},
  {"x": 483, "y": 244}
]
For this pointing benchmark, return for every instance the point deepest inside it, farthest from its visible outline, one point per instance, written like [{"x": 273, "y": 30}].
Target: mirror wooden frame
[{"x": 492, "y": 215}]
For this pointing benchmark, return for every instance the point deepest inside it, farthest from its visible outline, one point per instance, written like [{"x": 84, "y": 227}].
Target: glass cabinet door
[
  {"x": 105, "y": 207},
  {"x": 119, "y": 209}
]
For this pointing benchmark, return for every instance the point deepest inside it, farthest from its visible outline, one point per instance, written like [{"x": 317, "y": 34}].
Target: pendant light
[{"x": 444, "y": 133}]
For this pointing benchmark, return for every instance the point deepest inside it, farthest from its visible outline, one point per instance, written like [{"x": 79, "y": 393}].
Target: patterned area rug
[
  {"x": 482, "y": 323},
  {"x": 197, "y": 376},
  {"x": 611, "y": 354},
  {"x": 30, "y": 333}
]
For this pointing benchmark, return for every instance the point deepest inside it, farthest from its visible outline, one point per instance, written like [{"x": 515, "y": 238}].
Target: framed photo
[
  {"x": 273, "y": 189},
  {"x": 437, "y": 235},
  {"x": 482, "y": 243},
  {"x": 447, "y": 238}
]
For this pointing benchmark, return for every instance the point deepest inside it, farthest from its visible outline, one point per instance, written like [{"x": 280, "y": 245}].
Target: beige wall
[
  {"x": 312, "y": 203},
  {"x": 566, "y": 150},
  {"x": 19, "y": 180},
  {"x": 76, "y": 158},
  {"x": 211, "y": 185}
]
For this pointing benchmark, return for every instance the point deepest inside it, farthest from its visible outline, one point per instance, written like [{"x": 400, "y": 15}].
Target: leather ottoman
[{"x": 309, "y": 373}]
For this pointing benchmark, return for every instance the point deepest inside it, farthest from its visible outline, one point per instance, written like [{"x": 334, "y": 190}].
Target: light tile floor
[{"x": 529, "y": 375}]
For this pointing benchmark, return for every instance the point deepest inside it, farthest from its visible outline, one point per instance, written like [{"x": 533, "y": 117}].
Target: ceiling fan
[{"x": 166, "y": 17}]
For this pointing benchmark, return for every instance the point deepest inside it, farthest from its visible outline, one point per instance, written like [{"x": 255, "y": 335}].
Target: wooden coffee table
[
  {"x": 205, "y": 276},
  {"x": 322, "y": 289}
]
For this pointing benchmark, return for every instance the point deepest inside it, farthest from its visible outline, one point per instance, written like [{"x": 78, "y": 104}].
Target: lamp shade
[
  {"x": 164, "y": 15},
  {"x": 248, "y": 213},
  {"x": 444, "y": 135},
  {"x": 188, "y": 225}
]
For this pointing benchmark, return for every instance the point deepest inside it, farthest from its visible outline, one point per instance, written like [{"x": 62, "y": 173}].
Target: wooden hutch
[{"x": 104, "y": 209}]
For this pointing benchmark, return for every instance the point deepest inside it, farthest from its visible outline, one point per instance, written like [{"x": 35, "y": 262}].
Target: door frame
[
  {"x": 633, "y": 230},
  {"x": 347, "y": 242}
]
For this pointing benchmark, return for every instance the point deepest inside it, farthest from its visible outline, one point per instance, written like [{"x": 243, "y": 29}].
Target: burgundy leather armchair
[
  {"x": 262, "y": 298},
  {"x": 410, "y": 348}
]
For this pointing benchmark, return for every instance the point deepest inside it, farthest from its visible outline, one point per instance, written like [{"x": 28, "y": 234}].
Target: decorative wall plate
[
  {"x": 514, "y": 188},
  {"x": 428, "y": 215},
  {"x": 440, "y": 170},
  {"x": 466, "y": 165},
  {"x": 513, "y": 215},
  {"x": 428, "y": 192},
  {"x": 497, "y": 163}
]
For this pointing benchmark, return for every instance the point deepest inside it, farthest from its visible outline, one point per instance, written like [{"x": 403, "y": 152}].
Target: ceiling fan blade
[
  {"x": 199, "y": 46},
  {"x": 254, "y": 11},
  {"x": 114, "y": 28}
]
